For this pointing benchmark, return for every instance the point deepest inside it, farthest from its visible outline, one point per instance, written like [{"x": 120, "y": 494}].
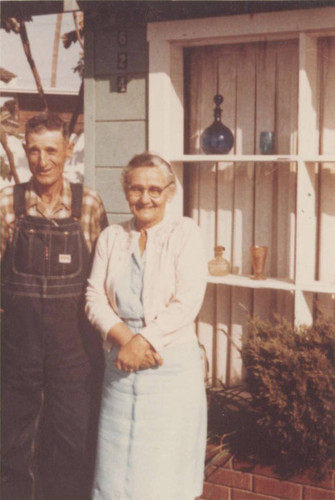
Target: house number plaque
[{"x": 122, "y": 61}]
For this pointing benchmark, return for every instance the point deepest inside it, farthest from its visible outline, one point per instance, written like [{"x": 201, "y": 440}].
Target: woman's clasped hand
[{"x": 137, "y": 354}]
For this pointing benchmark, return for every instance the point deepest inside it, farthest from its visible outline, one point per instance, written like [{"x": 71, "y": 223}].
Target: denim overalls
[{"x": 47, "y": 352}]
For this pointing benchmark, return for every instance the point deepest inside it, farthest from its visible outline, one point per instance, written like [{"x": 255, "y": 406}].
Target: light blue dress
[{"x": 152, "y": 432}]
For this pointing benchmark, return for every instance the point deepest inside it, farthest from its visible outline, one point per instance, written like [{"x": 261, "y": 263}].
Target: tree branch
[
  {"x": 10, "y": 156},
  {"x": 27, "y": 50}
]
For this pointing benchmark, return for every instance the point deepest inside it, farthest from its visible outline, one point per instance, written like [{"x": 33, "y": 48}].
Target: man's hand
[{"x": 137, "y": 354}]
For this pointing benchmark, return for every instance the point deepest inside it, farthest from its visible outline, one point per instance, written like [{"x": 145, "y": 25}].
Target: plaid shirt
[{"x": 93, "y": 217}]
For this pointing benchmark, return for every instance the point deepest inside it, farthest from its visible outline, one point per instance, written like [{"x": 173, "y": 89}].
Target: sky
[{"x": 41, "y": 33}]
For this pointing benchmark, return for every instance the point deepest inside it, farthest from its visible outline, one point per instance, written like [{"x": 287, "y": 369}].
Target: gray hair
[
  {"x": 147, "y": 159},
  {"x": 46, "y": 121}
]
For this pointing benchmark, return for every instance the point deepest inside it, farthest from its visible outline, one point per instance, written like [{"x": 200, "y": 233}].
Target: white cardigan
[{"x": 174, "y": 279}]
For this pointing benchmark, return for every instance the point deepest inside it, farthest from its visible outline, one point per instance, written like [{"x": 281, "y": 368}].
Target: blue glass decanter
[{"x": 217, "y": 138}]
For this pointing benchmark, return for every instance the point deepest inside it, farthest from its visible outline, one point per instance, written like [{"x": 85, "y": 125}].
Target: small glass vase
[
  {"x": 219, "y": 266},
  {"x": 267, "y": 143}
]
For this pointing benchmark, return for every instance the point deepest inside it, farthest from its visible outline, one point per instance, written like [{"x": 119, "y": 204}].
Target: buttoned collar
[{"x": 151, "y": 230}]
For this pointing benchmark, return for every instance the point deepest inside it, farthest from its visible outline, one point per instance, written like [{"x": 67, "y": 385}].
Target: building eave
[
  {"x": 151, "y": 11},
  {"x": 12, "y": 90}
]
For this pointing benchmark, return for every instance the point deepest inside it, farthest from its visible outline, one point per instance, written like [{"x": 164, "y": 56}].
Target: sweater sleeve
[
  {"x": 98, "y": 307},
  {"x": 190, "y": 286}
]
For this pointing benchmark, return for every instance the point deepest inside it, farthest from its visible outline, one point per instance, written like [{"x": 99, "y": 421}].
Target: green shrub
[
  {"x": 283, "y": 414},
  {"x": 290, "y": 377}
]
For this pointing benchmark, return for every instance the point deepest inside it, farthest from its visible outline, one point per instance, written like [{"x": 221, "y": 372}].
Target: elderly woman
[{"x": 144, "y": 293}]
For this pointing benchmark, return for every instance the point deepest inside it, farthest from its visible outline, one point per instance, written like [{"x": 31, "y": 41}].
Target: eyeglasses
[{"x": 153, "y": 191}]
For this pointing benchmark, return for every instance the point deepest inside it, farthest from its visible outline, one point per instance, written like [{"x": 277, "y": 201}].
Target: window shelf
[
  {"x": 272, "y": 283},
  {"x": 246, "y": 281},
  {"x": 257, "y": 158},
  {"x": 319, "y": 159},
  {"x": 318, "y": 287}
]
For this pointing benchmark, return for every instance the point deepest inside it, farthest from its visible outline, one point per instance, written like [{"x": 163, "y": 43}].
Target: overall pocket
[{"x": 65, "y": 253}]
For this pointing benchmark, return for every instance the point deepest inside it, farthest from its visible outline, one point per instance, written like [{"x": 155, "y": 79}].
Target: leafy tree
[{"x": 8, "y": 114}]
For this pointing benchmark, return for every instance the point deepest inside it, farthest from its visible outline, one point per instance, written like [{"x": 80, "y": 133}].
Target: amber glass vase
[
  {"x": 219, "y": 266},
  {"x": 258, "y": 256}
]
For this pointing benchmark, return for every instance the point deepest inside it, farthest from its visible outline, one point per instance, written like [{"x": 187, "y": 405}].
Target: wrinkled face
[
  {"x": 47, "y": 152},
  {"x": 147, "y": 195}
]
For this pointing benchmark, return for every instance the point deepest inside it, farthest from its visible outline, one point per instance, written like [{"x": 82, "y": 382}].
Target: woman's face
[{"x": 147, "y": 195}]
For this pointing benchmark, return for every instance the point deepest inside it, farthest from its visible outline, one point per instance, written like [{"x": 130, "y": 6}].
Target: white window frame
[{"x": 167, "y": 41}]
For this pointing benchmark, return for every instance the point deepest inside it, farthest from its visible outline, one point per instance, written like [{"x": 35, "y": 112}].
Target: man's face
[{"x": 47, "y": 152}]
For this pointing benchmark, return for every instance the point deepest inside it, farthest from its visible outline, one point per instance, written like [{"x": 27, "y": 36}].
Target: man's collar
[{"x": 32, "y": 198}]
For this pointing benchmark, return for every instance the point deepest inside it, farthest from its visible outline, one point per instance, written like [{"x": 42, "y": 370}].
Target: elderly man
[{"x": 48, "y": 229}]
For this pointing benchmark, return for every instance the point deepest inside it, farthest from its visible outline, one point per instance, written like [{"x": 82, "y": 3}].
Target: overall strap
[
  {"x": 19, "y": 199},
  {"x": 77, "y": 198}
]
